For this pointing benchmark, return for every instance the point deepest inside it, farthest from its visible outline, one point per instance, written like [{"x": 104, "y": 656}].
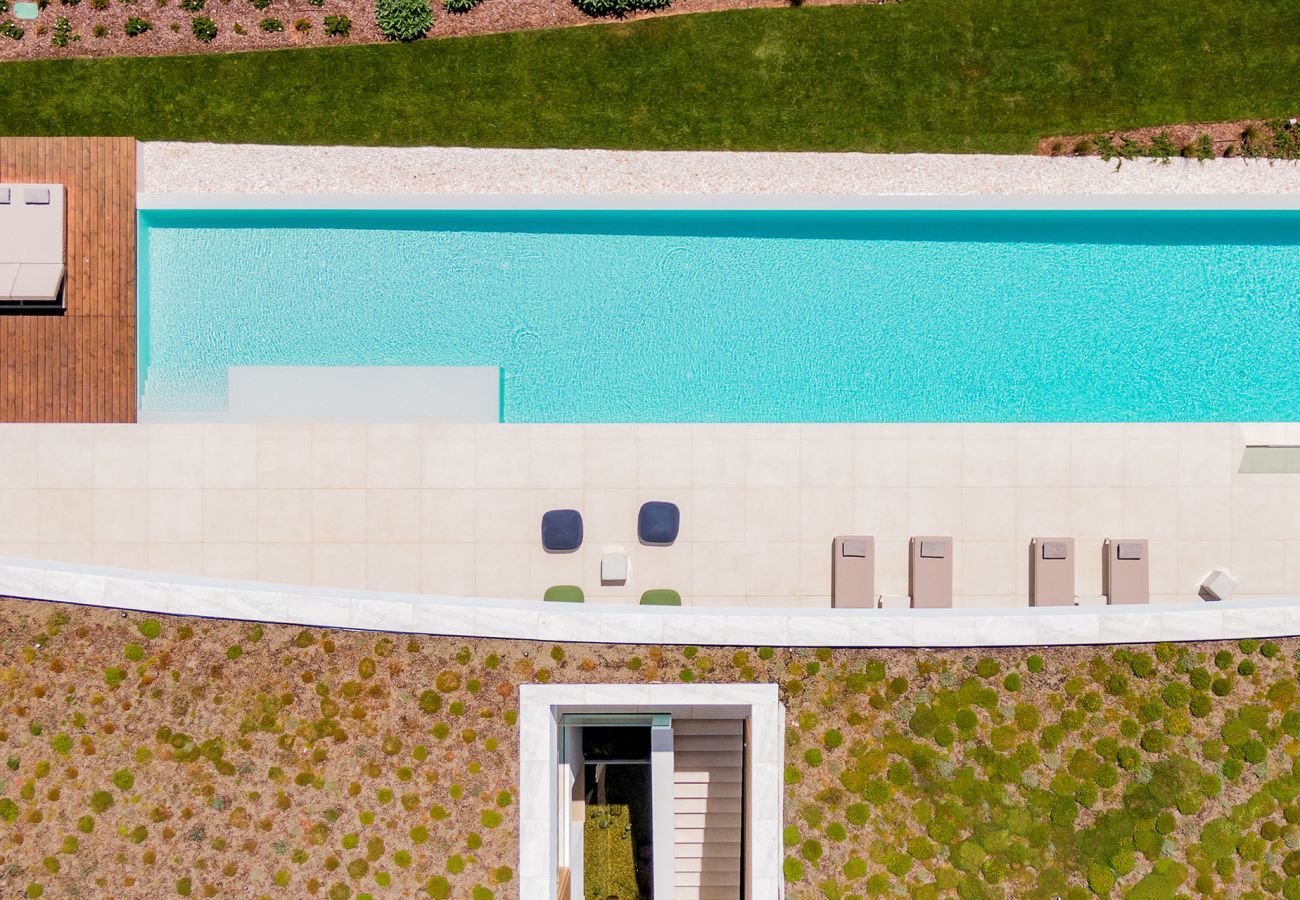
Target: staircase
[{"x": 708, "y": 808}]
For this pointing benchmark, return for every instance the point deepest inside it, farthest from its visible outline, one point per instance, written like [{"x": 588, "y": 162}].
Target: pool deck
[
  {"x": 78, "y": 366},
  {"x": 456, "y": 509}
]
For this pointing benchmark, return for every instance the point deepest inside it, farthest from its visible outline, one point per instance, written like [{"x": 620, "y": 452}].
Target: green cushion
[
  {"x": 564, "y": 593},
  {"x": 661, "y": 597}
]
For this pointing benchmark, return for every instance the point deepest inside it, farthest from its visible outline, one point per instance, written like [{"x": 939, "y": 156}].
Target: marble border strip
[
  {"x": 720, "y": 202},
  {"x": 599, "y": 623}
]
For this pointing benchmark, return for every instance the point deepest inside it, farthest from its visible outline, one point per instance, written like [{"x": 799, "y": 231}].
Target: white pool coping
[
  {"x": 182, "y": 174},
  {"x": 716, "y": 202},
  {"x": 741, "y": 627}
]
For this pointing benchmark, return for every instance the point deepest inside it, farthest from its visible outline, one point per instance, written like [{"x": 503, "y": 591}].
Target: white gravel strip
[{"x": 175, "y": 168}]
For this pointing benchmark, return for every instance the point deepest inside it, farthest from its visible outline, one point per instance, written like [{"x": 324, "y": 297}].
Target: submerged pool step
[{"x": 326, "y": 394}]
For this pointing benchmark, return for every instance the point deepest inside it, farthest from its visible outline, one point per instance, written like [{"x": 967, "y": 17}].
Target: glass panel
[{"x": 587, "y": 720}]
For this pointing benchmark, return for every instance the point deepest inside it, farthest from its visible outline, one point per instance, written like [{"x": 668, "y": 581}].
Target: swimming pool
[{"x": 754, "y": 316}]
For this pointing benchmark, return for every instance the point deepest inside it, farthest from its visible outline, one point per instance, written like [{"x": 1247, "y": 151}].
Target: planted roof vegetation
[
  {"x": 162, "y": 756},
  {"x": 922, "y": 75}
]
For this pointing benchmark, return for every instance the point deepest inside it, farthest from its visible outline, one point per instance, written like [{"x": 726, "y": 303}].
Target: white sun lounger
[{"x": 32, "y": 260}]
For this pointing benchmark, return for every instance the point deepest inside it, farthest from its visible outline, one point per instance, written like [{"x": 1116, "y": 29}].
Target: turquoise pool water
[{"x": 746, "y": 316}]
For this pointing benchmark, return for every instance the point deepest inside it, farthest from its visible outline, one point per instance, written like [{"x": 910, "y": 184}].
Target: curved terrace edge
[{"x": 519, "y": 619}]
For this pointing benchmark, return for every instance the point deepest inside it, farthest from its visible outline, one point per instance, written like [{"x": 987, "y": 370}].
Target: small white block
[
  {"x": 613, "y": 568},
  {"x": 1218, "y": 585}
]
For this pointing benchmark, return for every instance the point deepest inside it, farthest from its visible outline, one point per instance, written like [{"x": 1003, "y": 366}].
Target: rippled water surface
[{"x": 756, "y": 316}]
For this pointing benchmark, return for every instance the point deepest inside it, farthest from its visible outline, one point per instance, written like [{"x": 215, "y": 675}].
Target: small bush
[
  {"x": 403, "y": 20},
  {"x": 618, "y": 8},
  {"x": 260, "y": 4},
  {"x": 1162, "y": 148},
  {"x": 460, "y": 6},
  {"x": 1202, "y": 148},
  {"x": 338, "y": 26},
  {"x": 238, "y": 29},
  {"x": 302, "y": 26},
  {"x": 271, "y": 26},
  {"x": 63, "y": 33},
  {"x": 193, "y": 5},
  {"x": 204, "y": 29},
  {"x": 11, "y": 31},
  {"x": 135, "y": 26}
]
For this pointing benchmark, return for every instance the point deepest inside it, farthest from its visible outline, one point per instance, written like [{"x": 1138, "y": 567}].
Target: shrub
[
  {"x": 302, "y": 26},
  {"x": 63, "y": 34},
  {"x": 1162, "y": 148},
  {"x": 618, "y": 8},
  {"x": 403, "y": 20},
  {"x": 460, "y": 6},
  {"x": 192, "y": 5},
  {"x": 204, "y": 28},
  {"x": 238, "y": 29},
  {"x": 1202, "y": 148},
  {"x": 11, "y": 31},
  {"x": 260, "y": 4},
  {"x": 271, "y": 26}
]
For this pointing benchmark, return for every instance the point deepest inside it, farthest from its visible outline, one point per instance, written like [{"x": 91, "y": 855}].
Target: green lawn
[{"x": 923, "y": 75}]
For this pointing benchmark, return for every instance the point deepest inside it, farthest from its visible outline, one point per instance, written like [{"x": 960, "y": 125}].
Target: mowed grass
[{"x": 922, "y": 75}]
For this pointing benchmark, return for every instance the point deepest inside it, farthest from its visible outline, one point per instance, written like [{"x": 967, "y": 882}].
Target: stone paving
[{"x": 456, "y": 509}]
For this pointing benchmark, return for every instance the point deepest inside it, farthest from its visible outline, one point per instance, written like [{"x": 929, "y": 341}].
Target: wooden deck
[{"x": 79, "y": 366}]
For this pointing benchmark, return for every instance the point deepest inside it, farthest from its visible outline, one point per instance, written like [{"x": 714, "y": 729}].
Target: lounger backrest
[
  {"x": 929, "y": 579},
  {"x": 853, "y": 572},
  {"x": 1051, "y": 572},
  {"x": 1126, "y": 571}
]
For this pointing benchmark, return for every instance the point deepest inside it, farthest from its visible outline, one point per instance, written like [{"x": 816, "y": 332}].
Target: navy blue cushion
[
  {"x": 562, "y": 530},
  {"x": 658, "y": 522}
]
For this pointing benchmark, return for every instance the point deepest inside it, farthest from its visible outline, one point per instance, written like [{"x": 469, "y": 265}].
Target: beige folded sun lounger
[
  {"x": 31, "y": 244},
  {"x": 1051, "y": 572},
  {"x": 1126, "y": 571},
  {"x": 853, "y": 572},
  {"x": 929, "y": 577}
]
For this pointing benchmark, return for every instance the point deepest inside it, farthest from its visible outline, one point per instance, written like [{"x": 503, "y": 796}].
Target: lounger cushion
[
  {"x": 661, "y": 597},
  {"x": 658, "y": 522},
  {"x": 1054, "y": 550},
  {"x": 1128, "y": 550},
  {"x": 4, "y": 196},
  {"x": 934, "y": 549},
  {"x": 854, "y": 547},
  {"x": 37, "y": 282},
  {"x": 35, "y": 196},
  {"x": 564, "y": 593},
  {"x": 562, "y": 530}
]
